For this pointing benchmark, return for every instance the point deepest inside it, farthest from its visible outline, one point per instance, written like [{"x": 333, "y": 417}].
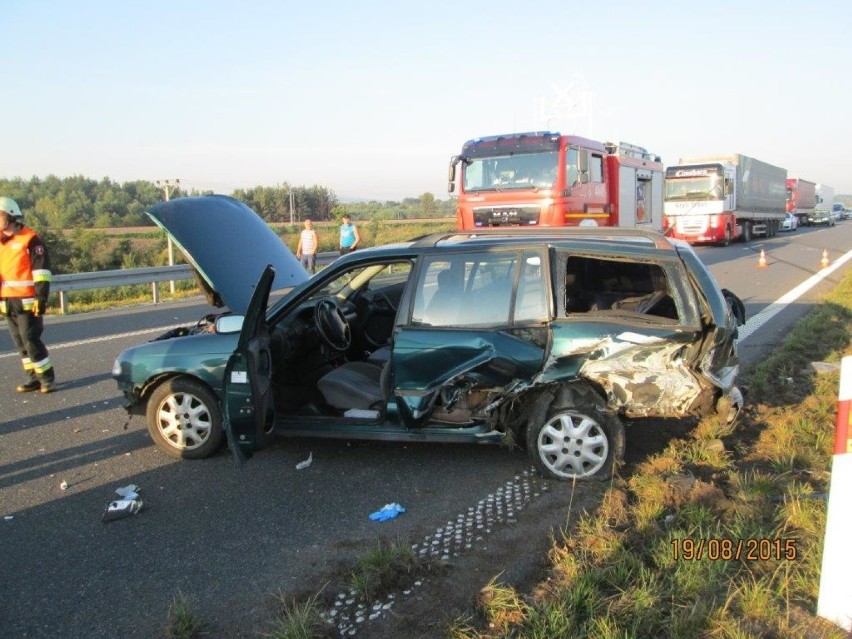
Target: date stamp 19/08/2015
[{"x": 688, "y": 549}]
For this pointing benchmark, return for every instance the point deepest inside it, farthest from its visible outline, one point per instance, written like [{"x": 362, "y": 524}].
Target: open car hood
[{"x": 229, "y": 246}]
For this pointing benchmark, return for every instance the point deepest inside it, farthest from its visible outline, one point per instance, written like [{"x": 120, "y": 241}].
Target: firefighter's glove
[
  {"x": 388, "y": 511},
  {"x": 37, "y": 310}
]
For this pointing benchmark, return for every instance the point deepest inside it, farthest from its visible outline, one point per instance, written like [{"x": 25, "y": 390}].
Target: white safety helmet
[{"x": 10, "y": 207}]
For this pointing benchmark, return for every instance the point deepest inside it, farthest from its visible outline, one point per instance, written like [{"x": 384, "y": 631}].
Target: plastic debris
[
  {"x": 307, "y": 462},
  {"x": 63, "y": 485},
  {"x": 131, "y": 491},
  {"x": 388, "y": 511},
  {"x": 121, "y": 509}
]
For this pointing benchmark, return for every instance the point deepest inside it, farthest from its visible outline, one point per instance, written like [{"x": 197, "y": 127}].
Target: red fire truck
[{"x": 549, "y": 179}]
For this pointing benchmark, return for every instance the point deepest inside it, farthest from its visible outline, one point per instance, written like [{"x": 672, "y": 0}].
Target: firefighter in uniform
[{"x": 24, "y": 287}]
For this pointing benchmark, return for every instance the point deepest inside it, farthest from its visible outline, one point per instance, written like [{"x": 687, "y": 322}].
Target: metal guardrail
[{"x": 152, "y": 275}]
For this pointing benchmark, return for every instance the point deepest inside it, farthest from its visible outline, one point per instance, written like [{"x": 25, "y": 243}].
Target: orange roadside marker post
[
  {"x": 761, "y": 262},
  {"x": 824, "y": 261}
]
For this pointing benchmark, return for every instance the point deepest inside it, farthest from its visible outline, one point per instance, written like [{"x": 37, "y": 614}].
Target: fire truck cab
[{"x": 549, "y": 179}]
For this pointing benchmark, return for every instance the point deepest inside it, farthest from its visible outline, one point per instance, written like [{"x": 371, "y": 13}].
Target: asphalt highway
[{"x": 227, "y": 538}]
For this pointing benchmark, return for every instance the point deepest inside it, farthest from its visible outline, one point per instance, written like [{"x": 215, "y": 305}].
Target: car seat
[{"x": 356, "y": 385}]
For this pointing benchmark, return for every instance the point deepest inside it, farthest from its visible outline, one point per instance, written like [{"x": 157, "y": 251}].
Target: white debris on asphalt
[
  {"x": 304, "y": 464},
  {"x": 131, "y": 491}
]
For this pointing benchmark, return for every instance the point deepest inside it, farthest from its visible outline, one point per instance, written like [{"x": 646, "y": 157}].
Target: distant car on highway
[
  {"x": 790, "y": 223},
  {"x": 548, "y": 338},
  {"x": 838, "y": 211}
]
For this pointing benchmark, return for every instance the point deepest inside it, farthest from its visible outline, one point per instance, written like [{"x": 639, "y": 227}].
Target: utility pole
[
  {"x": 167, "y": 186},
  {"x": 291, "y": 207}
]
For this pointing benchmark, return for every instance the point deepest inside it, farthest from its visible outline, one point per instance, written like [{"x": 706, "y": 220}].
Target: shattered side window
[{"x": 608, "y": 285}]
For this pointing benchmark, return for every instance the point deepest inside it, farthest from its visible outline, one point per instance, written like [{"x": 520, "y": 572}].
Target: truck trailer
[
  {"x": 801, "y": 199},
  {"x": 716, "y": 199},
  {"x": 549, "y": 179}
]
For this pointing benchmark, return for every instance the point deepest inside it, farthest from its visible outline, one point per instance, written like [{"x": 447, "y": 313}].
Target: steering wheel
[{"x": 332, "y": 325}]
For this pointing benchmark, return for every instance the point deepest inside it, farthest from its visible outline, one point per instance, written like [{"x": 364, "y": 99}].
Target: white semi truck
[
  {"x": 720, "y": 198},
  {"x": 824, "y": 205}
]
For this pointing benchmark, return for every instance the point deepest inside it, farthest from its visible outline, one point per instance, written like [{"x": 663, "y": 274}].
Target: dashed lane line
[{"x": 105, "y": 338}]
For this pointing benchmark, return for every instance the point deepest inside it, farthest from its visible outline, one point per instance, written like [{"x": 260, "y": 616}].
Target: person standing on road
[
  {"x": 24, "y": 287},
  {"x": 306, "y": 252},
  {"x": 349, "y": 236}
]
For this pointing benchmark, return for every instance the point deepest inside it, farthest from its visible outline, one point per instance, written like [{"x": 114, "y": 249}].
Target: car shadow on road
[
  {"x": 650, "y": 436},
  {"x": 41, "y": 465},
  {"x": 52, "y": 417}
]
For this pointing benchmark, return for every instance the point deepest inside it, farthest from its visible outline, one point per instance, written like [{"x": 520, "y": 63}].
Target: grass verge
[
  {"x": 719, "y": 535},
  {"x": 182, "y": 623},
  {"x": 385, "y": 567},
  {"x": 298, "y": 620}
]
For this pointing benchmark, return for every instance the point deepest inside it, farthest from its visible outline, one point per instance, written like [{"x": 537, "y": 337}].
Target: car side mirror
[{"x": 229, "y": 324}]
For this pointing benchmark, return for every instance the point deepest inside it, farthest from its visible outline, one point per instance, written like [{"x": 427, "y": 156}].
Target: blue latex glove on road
[{"x": 388, "y": 511}]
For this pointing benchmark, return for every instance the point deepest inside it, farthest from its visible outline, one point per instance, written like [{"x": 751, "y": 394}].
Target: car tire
[
  {"x": 578, "y": 442},
  {"x": 184, "y": 418}
]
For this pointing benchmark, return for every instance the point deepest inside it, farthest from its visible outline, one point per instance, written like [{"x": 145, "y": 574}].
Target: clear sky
[{"x": 372, "y": 98}]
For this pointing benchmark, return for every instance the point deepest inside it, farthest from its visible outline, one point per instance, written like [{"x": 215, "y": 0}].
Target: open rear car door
[{"x": 248, "y": 376}]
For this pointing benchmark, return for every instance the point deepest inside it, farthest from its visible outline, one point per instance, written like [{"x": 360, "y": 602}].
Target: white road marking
[
  {"x": 105, "y": 338},
  {"x": 759, "y": 320}
]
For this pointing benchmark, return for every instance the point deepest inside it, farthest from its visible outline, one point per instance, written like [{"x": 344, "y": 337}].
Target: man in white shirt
[{"x": 306, "y": 252}]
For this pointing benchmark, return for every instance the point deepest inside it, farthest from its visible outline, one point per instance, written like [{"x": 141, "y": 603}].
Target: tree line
[
  {"x": 68, "y": 212},
  {"x": 81, "y": 202}
]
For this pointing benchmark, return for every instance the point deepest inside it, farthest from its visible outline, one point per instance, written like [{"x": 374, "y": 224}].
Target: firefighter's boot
[{"x": 29, "y": 387}]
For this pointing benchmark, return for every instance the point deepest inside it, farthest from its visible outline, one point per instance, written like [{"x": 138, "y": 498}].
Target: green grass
[
  {"x": 297, "y": 620},
  {"x": 373, "y": 233},
  {"x": 633, "y": 568},
  {"x": 384, "y": 568},
  {"x": 182, "y": 623}
]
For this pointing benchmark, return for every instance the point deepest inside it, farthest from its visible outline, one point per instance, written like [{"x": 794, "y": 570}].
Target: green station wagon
[{"x": 547, "y": 338}]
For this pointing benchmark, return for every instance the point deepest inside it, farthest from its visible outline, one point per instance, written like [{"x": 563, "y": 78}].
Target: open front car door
[{"x": 246, "y": 389}]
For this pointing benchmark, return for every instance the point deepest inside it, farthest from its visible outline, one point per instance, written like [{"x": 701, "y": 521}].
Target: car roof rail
[{"x": 603, "y": 233}]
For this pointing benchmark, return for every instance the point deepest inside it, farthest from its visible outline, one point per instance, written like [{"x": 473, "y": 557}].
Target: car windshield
[
  {"x": 344, "y": 284},
  {"x": 513, "y": 171}
]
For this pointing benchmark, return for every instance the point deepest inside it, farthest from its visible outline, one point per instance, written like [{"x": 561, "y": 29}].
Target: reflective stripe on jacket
[{"x": 24, "y": 269}]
